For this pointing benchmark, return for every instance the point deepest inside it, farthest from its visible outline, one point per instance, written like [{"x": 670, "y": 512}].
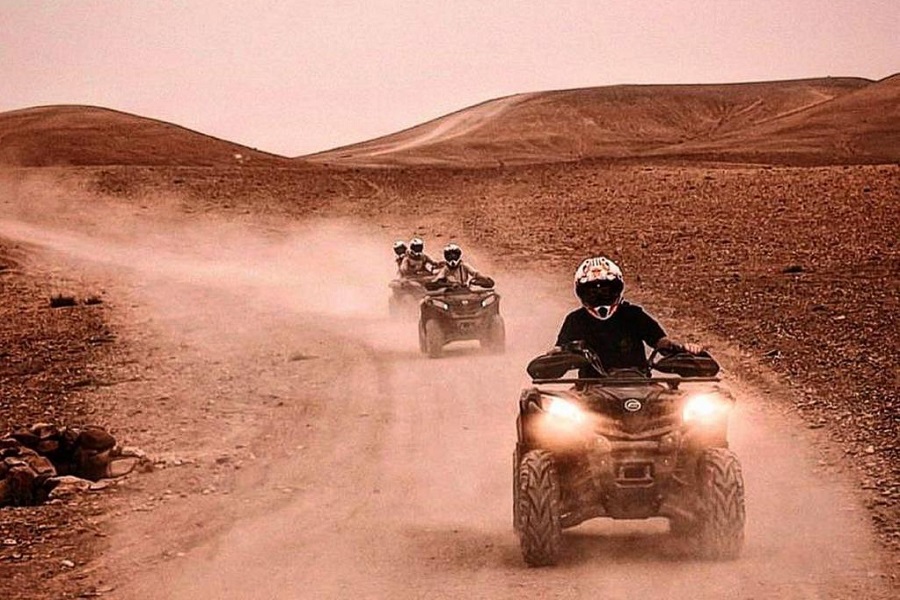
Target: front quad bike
[
  {"x": 454, "y": 312},
  {"x": 406, "y": 293},
  {"x": 625, "y": 446}
]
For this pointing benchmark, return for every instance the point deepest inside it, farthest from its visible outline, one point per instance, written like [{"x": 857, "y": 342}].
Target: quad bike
[
  {"x": 625, "y": 445},
  {"x": 452, "y": 312},
  {"x": 406, "y": 293}
]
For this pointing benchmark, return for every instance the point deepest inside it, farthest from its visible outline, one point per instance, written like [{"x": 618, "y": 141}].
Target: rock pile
[{"x": 44, "y": 461}]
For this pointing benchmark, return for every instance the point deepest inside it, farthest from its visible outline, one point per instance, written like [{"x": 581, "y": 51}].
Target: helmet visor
[
  {"x": 453, "y": 255},
  {"x": 417, "y": 248},
  {"x": 600, "y": 292}
]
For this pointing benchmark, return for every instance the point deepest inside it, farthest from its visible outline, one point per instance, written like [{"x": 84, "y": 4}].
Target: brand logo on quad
[{"x": 633, "y": 405}]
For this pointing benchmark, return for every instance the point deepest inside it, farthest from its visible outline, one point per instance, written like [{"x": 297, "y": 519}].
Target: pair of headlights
[
  {"x": 444, "y": 306},
  {"x": 699, "y": 409}
]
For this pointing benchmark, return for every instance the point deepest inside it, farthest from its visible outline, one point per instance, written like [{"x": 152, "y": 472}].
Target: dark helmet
[
  {"x": 599, "y": 285},
  {"x": 416, "y": 246},
  {"x": 399, "y": 247},
  {"x": 452, "y": 254}
]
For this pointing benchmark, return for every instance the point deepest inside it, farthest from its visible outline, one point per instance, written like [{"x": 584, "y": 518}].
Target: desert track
[{"x": 366, "y": 470}]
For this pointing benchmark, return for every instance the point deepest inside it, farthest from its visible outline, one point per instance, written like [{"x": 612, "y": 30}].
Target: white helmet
[
  {"x": 399, "y": 247},
  {"x": 416, "y": 246},
  {"x": 452, "y": 254},
  {"x": 599, "y": 285}
]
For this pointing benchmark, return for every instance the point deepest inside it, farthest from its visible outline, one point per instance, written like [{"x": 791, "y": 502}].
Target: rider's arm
[
  {"x": 468, "y": 273},
  {"x": 568, "y": 332},
  {"x": 441, "y": 274},
  {"x": 404, "y": 266},
  {"x": 669, "y": 344},
  {"x": 649, "y": 330}
]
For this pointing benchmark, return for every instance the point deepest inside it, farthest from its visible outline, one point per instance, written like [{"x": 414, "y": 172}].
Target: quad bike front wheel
[
  {"x": 537, "y": 508},
  {"x": 515, "y": 485},
  {"x": 494, "y": 339},
  {"x": 719, "y": 530},
  {"x": 434, "y": 339},
  {"x": 423, "y": 344}
]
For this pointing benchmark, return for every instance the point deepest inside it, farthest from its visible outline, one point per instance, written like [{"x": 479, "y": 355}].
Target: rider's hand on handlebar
[{"x": 668, "y": 346}]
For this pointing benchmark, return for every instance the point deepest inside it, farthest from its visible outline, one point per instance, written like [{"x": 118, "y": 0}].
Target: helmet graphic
[
  {"x": 399, "y": 247},
  {"x": 599, "y": 285},
  {"x": 416, "y": 246},
  {"x": 452, "y": 254}
]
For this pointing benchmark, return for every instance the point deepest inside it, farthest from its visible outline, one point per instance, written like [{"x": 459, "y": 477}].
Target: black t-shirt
[{"x": 618, "y": 341}]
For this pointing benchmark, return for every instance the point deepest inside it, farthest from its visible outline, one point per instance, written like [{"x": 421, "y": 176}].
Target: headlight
[
  {"x": 440, "y": 304},
  {"x": 488, "y": 301},
  {"x": 563, "y": 424},
  {"x": 563, "y": 409},
  {"x": 705, "y": 408}
]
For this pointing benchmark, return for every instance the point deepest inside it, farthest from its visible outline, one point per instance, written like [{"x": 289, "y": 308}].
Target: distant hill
[
  {"x": 86, "y": 135},
  {"x": 862, "y": 126},
  {"x": 811, "y": 121},
  {"x": 819, "y": 121}
]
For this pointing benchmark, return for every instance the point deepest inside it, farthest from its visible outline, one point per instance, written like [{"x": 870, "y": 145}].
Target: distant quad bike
[
  {"x": 452, "y": 312},
  {"x": 625, "y": 446},
  {"x": 406, "y": 293}
]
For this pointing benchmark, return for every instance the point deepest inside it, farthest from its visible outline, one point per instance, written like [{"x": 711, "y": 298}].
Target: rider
[
  {"x": 455, "y": 271},
  {"x": 415, "y": 262},
  {"x": 613, "y": 328},
  {"x": 399, "y": 251}
]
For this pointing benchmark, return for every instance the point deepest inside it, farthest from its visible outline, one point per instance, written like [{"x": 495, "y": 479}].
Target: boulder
[
  {"x": 96, "y": 438},
  {"x": 67, "y": 486}
]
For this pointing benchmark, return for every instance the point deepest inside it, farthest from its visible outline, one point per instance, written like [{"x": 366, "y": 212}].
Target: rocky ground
[
  {"x": 49, "y": 359},
  {"x": 798, "y": 267}
]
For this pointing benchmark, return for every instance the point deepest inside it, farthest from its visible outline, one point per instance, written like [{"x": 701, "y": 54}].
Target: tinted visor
[
  {"x": 417, "y": 247},
  {"x": 452, "y": 255},
  {"x": 601, "y": 292}
]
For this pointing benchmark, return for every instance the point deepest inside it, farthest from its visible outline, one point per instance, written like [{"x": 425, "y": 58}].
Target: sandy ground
[{"x": 311, "y": 452}]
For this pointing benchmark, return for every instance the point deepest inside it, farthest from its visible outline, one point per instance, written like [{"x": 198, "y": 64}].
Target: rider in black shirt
[{"x": 614, "y": 329}]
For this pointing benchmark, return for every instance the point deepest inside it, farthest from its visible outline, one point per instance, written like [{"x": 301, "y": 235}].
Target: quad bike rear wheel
[
  {"x": 719, "y": 530},
  {"x": 434, "y": 339},
  {"x": 537, "y": 508}
]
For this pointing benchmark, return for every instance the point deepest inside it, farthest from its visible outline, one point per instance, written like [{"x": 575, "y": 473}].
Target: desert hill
[
  {"x": 863, "y": 126},
  {"x": 818, "y": 121},
  {"x": 86, "y": 135},
  {"x": 802, "y": 122}
]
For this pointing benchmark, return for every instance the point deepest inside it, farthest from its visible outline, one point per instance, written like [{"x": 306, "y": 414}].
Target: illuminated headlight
[
  {"x": 705, "y": 408},
  {"x": 440, "y": 304},
  {"x": 488, "y": 301},
  {"x": 563, "y": 409}
]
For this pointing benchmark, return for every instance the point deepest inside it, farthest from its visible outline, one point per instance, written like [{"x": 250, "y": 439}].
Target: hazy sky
[{"x": 294, "y": 77}]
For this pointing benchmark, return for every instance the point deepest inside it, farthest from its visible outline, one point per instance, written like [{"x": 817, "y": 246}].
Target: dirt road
[{"x": 315, "y": 454}]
